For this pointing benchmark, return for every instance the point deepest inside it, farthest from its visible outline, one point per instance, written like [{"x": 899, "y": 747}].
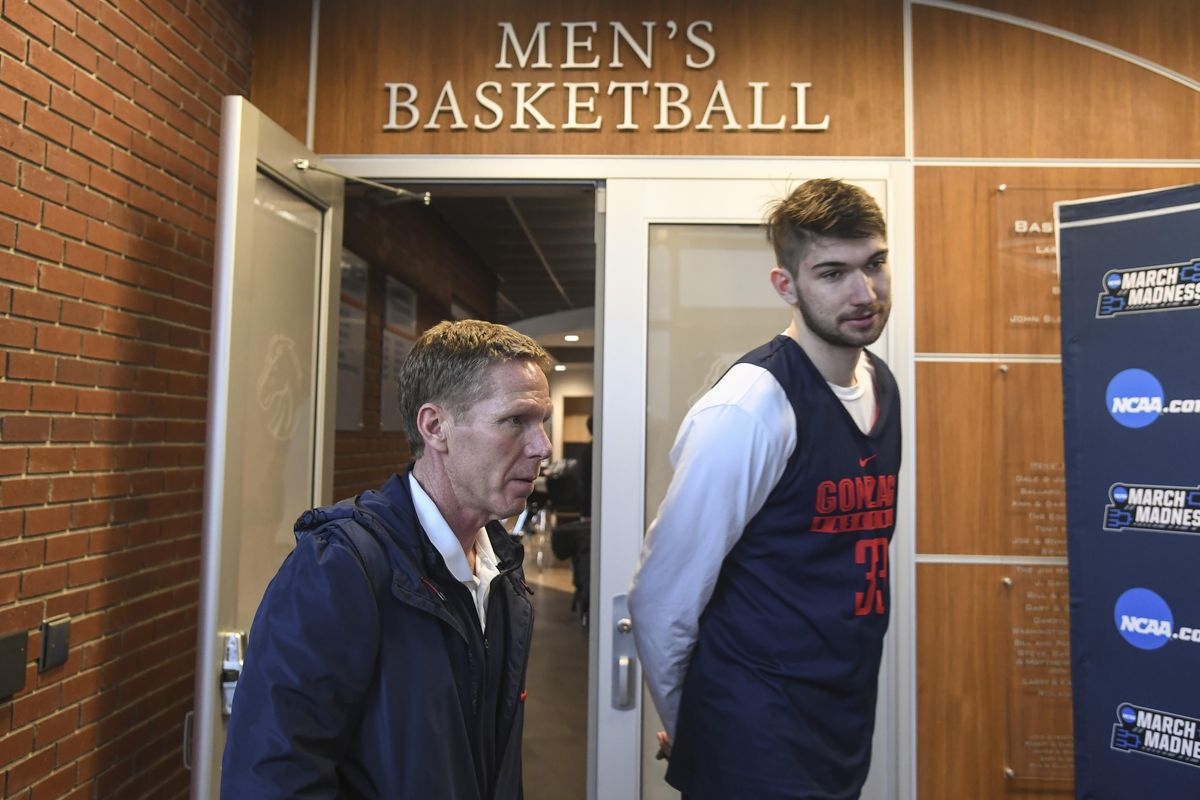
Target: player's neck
[{"x": 835, "y": 363}]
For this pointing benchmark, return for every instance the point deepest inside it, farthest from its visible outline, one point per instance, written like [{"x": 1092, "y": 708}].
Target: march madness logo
[
  {"x": 1156, "y": 733},
  {"x": 1175, "y": 509},
  {"x": 1145, "y": 289}
]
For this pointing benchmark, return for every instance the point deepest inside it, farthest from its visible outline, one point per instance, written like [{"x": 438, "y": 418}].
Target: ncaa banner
[{"x": 1130, "y": 272}]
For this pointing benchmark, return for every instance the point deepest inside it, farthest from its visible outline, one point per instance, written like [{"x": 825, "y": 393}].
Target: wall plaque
[
  {"x": 352, "y": 327},
  {"x": 399, "y": 335},
  {"x": 1039, "y": 753},
  {"x": 1025, "y": 280},
  {"x": 1035, "y": 507}
]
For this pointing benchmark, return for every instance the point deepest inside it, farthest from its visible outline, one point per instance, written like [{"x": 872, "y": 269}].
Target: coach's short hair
[
  {"x": 821, "y": 207},
  {"x": 448, "y": 366}
]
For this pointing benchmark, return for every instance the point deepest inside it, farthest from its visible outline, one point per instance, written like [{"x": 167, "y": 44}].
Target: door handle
[
  {"x": 234, "y": 645},
  {"x": 187, "y": 740},
  {"x": 625, "y": 678},
  {"x": 621, "y": 695}
]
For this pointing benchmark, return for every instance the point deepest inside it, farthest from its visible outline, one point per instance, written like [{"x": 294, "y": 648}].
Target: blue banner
[{"x": 1130, "y": 270}]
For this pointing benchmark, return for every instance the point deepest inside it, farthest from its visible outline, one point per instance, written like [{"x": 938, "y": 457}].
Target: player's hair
[
  {"x": 448, "y": 366},
  {"x": 821, "y": 207}
]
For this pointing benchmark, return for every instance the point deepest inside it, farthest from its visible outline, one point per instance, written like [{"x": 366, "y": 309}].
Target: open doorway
[
  {"x": 638, "y": 194},
  {"x": 523, "y": 254}
]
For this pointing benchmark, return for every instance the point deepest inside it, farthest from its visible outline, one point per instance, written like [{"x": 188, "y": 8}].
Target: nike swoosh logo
[{"x": 862, "y": 462}]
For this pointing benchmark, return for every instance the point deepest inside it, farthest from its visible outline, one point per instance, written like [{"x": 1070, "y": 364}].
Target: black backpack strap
[{"x": 371, "y": 555}]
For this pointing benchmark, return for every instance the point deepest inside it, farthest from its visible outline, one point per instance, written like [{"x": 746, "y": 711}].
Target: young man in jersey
[{"x": 761, "y": 600}]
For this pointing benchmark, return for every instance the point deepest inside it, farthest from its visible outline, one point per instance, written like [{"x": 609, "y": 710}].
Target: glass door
[{"x": 686, "y": 293}]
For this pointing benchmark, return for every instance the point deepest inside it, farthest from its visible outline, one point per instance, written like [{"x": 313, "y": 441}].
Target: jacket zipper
[{"x": 433, "y": 588}]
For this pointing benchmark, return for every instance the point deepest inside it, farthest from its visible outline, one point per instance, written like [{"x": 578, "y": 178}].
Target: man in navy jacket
[{"x": 387, "y": 658}]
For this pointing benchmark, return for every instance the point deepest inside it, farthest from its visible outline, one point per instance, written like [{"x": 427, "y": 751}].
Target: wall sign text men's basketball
[{"x": 613, "y": 52}]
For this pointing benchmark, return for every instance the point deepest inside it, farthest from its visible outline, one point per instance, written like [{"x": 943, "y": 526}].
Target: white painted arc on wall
[{"x": 1059, "y": 33}]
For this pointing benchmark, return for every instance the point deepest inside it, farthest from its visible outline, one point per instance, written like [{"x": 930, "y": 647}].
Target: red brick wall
[{"x": 109, "y": 120}]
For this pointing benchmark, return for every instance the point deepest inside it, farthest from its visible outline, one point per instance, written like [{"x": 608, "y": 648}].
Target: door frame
[{"x": 614, "y": 737}]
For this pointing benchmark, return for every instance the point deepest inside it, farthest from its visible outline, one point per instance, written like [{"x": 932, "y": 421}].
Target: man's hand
[{"x": 664, "y": 746}]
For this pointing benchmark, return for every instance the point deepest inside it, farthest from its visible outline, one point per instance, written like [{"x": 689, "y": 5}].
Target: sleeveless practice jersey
[{"x": 779, "y": 697}]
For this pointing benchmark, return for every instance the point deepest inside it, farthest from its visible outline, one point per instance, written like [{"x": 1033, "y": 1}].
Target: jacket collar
[{"x": 393, "y": 504}]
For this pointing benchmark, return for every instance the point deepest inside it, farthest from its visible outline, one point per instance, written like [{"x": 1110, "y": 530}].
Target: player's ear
[{"x": 785, "y": 285}]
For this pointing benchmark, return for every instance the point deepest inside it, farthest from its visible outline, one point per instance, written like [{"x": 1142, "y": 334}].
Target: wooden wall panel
[
  {"x": 857, "y": 80},
  {"x": 990, "y": 459},
  {"x": 974, "y": 273},
  {"x": 982, "y": 88},
  {"x": 988, "y": 89},
  {"x": 1162, "y": 31},
  {"x": 279, "y": 74},
  {"x": 981, "y": 702},
  {"x": 990, "y": 473}
]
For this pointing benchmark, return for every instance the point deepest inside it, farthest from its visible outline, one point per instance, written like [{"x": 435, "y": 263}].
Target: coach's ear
[
  {"x": 785, "y": 285},
  {"x": 432, "y": 423}
]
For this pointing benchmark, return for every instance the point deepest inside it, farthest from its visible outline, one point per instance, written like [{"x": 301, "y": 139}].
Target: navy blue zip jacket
[{"x": 366, "y": 673}]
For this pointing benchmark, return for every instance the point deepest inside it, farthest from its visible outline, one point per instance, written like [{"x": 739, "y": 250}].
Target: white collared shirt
[{"x": 478, "y": 584}]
